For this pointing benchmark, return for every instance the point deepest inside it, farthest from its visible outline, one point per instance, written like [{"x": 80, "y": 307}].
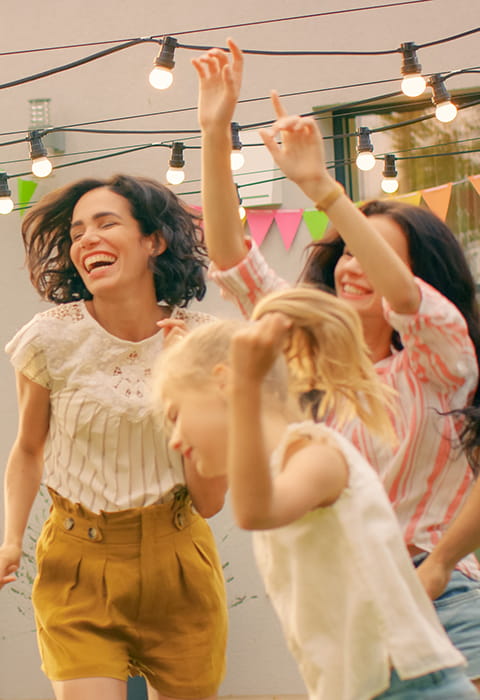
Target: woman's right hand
[
  {"x": 300, "y": 154},
  {"x": 9, "y": 563},
  {"x": 220, "y": 80}
]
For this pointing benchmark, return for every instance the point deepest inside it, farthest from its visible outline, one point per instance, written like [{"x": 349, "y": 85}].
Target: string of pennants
[{"x": 288, "y": 221}]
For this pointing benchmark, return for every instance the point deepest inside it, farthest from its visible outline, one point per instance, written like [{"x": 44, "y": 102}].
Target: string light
[
  {"x": 445, "y": 110},
  {"x": 161, "y": 76},
  {"x": 6, "y": 202},
  {"x": 365, "y": 158},
  {"x": 413, "y": 83},
  {"x": 41, "y": 166},
  {"x": 389, "y": 182},
  {"x": 175, "y": 173},
  {"x": 237, "y": 159}
]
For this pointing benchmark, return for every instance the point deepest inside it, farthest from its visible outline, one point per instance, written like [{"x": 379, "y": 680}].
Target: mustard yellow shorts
[{"x": 135, "y": 592}]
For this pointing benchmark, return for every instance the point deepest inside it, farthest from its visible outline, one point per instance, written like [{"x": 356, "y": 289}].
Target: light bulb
[
  {"x": 41, "y": 167},
  {"x": 175, "y": 176},
  {"x": 160, "y": 77},
  {"x": 365, "y": 160},
  {"x": 445, "y": 112},
  {"x": 237, "y": 160},
  {"x": 241, "y": 212},
  {"x": 6, "y": 205},
  {"x": 389, "y": 185},
  {"x": 413, "y": 85}
]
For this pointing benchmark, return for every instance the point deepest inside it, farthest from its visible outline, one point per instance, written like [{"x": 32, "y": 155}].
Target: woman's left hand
[
  {"x": 173, "y": 330},
  {"x": 434, "y": 576}
]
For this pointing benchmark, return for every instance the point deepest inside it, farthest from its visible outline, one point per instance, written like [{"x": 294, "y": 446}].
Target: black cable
[
  {"x": 79, "y": 62},
  {"x": 212, "y": 29}
]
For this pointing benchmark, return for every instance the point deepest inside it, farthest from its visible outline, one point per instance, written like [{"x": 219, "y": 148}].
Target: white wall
[{"x": 116, "y": 86}]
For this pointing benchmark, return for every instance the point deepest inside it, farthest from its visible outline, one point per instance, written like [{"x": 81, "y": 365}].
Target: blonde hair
[{"x": 325, "y": 351}]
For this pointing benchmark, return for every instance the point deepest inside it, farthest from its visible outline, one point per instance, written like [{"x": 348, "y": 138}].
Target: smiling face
[
  {"x": 351, "y": 283},
  {"x": 198, "y": 418},
  {"x": 108, "y": 248}
]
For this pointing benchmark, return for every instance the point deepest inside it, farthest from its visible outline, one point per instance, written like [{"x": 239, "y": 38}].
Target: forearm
[
  {"x": 224, "y": 234},
  {"x": 22, "y": 481},
  {"x": 248, "y": 468},
  {"x": 463, "y": 535}
]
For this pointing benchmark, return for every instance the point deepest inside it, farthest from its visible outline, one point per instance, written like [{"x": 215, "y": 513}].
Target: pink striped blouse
[{"x": 426, "y": 476}]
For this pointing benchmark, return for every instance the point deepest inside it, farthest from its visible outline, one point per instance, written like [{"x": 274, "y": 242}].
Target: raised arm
[
  {"x": 220, "y": 78},
  {"x": 301, "y": 156},
  {"x": 24, "y": 471},
  {"x": 314, "y": 474}
]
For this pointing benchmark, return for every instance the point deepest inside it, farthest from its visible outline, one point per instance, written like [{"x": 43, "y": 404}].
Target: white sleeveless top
[
  {"x": 344, "y": 588},
  {"x": 104, "y": 448}
]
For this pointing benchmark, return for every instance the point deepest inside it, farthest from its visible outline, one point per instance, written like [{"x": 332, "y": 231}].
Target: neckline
[{"x": 93, "y": 322}]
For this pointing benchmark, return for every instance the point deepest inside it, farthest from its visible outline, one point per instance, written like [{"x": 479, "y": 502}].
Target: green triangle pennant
[
  {"x": 25, "y": 191},
  {"x": 316, "y": 221}
]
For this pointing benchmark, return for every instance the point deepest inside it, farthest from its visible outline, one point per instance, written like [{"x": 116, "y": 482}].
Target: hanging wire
[
  {"x": 260, "y": 52},
  {"x": 217, "y": 28}
]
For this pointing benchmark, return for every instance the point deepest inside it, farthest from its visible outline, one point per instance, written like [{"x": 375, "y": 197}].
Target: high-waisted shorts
[{"x": 134, "y": 592}]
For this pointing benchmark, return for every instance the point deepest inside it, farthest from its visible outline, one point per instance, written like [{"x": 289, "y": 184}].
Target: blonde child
[{"x": 327, "y": 543}]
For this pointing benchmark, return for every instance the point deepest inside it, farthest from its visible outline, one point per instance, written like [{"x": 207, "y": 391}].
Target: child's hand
[
  {"x": 173, "y": 330},
  {"x": 300, "y": 155},
  {"x": 255, "y": 348},
  {"x": 220, "y": 80}
]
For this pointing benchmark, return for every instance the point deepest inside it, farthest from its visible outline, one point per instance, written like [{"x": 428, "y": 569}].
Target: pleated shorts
[{"x": 134, "y": 592}]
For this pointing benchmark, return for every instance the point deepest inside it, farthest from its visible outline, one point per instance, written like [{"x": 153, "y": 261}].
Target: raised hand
[
  {"x": 255, "y": 347},
  {"x": 220, "y": 80},
  {"x": 300, "y": 153}
]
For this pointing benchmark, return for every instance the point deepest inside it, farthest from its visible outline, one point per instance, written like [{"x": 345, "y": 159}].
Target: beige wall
[{"x": 117, "y": 86}]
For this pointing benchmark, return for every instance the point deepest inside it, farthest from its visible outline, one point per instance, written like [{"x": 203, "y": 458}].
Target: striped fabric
[
  {"x": 104, "y": 448},
  {"x": 426, "y": 476}
]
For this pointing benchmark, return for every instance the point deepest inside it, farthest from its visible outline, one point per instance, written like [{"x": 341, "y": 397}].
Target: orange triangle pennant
[
  {"x": 475, "y": 180},
  {"x": 438, "y": 199}
]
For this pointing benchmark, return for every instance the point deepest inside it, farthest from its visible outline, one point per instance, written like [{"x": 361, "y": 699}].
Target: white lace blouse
[{"x": 104, "y": 448}]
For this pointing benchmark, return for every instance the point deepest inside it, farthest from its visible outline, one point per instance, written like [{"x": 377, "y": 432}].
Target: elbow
[
  {"x": 211, "y": 508},
  {"x": 248, "y": 520}
]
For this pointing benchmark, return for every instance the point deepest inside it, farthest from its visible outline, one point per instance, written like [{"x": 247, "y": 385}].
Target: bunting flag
[
  {"x": 316, "y": 221},
  {"x": 475, "y": 180},
  {"x": 259, "y": 222},
  {"x": 438, "y": 199},
  {"x": 288, "y": 221},
  {"x": 25, "y": 191}
]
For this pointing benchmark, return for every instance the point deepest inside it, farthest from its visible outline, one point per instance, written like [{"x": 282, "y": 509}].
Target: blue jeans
[
  {"x": 447, "y": 684},
  {"x": 459, "y": 611}
]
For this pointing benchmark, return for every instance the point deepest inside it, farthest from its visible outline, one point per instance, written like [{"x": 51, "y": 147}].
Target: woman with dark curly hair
[{"x": 129, "y": 581}]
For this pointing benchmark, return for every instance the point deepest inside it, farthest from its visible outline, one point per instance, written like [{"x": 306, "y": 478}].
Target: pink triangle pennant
[
  {"x": 288, "y": 221},
  {"x": 259, "y": 221},
  {"x": 475, "y": 180},
  {"x": 438, "y": 199}
]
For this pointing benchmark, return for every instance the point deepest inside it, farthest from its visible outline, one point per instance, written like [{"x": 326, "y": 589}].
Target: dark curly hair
[
  {"x": 436, "y": 257},
  {"x": 178, "y": 271}
]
